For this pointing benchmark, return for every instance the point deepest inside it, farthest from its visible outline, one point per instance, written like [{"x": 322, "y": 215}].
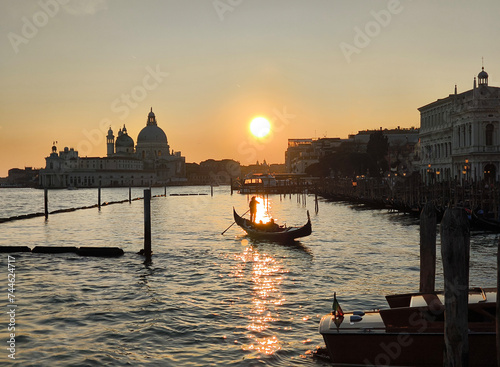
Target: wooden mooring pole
[
  {"x": 147, "y": 223},
  {"x": 130, "y": 194},
  {"x": 46, "y": 202},
  {"x": 428, "y": 228},
  {"x": 316, "y": 206},
  {"x": 455, "y": 242},
  {"x": 99, "y": 196}
]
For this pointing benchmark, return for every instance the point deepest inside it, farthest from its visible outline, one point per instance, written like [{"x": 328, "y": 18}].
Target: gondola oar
[{"x": 234, "y": 223}]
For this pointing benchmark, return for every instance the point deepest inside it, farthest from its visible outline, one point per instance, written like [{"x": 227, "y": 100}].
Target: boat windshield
[{"x": 250, "y": 181}]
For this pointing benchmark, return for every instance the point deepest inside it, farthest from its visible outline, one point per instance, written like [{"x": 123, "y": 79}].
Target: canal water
[{"x": 206, "y": 299}]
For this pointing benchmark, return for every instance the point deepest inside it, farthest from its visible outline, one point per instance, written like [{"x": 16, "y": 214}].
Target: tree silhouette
[{"x": 377, "y": 149}]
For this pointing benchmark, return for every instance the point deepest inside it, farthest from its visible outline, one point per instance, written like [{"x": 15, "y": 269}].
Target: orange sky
[{"x": 314, "y": 68}]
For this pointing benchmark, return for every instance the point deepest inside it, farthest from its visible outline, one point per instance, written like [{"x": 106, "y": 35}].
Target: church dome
[
  {"x": 482, "y": 75},
  {"x": 124, "y": 141},
  {"x": 152, "y": 133}
]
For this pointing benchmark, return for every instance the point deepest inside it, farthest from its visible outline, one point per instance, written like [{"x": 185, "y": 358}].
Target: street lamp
[
  {"x": 466, "y": 170},
  {"x": 429, "y": 173}
]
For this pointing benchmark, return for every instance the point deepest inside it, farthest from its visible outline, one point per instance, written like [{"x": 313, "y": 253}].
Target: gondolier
[{"x": 253, "y": 208}]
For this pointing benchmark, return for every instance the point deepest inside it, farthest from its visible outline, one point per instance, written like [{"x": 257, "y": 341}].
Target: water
[{"x": 206, "y": 299}]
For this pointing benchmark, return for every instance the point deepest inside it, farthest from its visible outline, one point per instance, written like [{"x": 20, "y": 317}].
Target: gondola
[
  {"x": 484, "y": 223},
  {"x": 277, "y": 234}
]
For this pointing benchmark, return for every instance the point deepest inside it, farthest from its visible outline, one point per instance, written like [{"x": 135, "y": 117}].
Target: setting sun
[{"x": 260, "y": 127}]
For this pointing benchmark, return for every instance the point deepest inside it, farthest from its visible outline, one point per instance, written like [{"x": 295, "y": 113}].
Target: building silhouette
[{"x": 149, "y": 163}]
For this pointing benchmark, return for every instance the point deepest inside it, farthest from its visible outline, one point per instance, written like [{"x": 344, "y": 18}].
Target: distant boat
[
  {"x": 410, "y": 332},
  {"x": 258, "y": 182},
  {"x": 273, "y": 232},
  {"x": 484, "y": 222}
]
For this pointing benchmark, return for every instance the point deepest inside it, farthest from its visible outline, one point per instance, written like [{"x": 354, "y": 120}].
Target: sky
[{"x": 70, "y": 69}]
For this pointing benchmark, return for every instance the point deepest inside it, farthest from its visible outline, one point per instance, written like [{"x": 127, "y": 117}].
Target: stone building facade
[{"x": 460, "y": 135}]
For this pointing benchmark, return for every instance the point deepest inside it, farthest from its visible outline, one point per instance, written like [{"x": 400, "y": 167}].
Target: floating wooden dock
[{"x": 82, "y": 251}]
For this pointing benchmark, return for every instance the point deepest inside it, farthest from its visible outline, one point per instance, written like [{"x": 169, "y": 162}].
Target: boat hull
[
  {"x": 403, "y": 349},
  {"x": 283, "y": 235},
  {"x": 410, "y": 332}
]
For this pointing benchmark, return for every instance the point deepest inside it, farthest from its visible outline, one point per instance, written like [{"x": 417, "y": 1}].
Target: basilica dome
[
  {"x": 124, "y": 140},
  {"x": 152, "y": 142},
  {"x": 152, "y": 133}
]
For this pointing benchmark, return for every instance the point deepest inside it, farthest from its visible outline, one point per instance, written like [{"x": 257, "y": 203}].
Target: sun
[{"x": 260, "y": 127}]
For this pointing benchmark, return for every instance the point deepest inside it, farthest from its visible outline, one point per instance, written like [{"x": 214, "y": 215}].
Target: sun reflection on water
[
  {"x": 263, "y": 207},
  {"x": 267, "y": 277}
]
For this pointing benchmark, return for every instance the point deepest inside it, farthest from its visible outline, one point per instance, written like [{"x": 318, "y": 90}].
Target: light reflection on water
[
  {"x": 206, "y": 299},
  {"x": 263, "y": 210}
]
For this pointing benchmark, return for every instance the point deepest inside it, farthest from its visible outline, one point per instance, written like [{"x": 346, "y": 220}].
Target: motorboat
[{"x": 410, "y": 332}]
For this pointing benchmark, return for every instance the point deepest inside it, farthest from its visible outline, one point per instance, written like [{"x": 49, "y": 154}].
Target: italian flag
[{"x": 336, "y": 309}]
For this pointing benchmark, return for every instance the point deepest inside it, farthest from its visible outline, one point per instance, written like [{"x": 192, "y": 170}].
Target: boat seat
[{"x": 424, "y": 300}]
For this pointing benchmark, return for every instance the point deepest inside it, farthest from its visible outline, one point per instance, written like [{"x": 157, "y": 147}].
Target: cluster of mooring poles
[
  {"x": 89, "y": 251},
  {"x": 455, "y": 251}
]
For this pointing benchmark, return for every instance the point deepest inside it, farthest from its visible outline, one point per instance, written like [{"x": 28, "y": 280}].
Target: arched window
[{"x": 489, "y": 134}]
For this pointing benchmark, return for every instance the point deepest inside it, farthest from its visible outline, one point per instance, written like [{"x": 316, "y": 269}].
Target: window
[{"x": 489, "y": 134}]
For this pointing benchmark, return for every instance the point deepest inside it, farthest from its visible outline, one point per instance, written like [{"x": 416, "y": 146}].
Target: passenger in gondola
[
  {"x": 271, "y": 226},
  {"x": 253, "y": 208}
]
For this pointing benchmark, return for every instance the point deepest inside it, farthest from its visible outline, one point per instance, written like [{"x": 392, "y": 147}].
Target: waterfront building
[
  {"x": 149, "y": 163},
  {"x": 302, "y": 153},
  {"x": 460, "y": 135},
  {"x": 17, "y": 177},
  {"x": 213, "y": 172},
  {"x": 398, "y": 137}
]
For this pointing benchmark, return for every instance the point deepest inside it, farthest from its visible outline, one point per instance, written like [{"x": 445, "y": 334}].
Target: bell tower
[{"x": 110, "y": 142}]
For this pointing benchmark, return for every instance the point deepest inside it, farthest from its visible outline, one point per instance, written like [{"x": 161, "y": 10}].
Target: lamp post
[
  {"x": 466, "y": 171},
  {"x": 429, "y": 174}
]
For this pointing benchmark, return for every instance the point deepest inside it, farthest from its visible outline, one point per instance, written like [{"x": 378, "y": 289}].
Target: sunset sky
[{"x": 70, "y": 69}]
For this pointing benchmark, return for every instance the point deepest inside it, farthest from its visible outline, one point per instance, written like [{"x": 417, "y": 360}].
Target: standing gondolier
[{"x": 253, "y": 208}]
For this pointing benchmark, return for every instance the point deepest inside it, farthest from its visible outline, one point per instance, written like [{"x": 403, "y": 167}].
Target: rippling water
[{"x": 206, "y": 299}]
